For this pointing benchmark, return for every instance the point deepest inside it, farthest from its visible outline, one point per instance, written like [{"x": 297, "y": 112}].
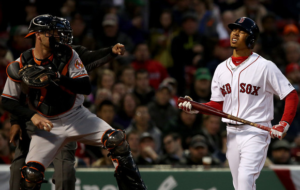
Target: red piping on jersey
[
  {"x": 290, "y": 108},
  {"x": 230, "y": 83},
  {"x": 239, "y": 85},
  {"x": 10, "y": 96}
]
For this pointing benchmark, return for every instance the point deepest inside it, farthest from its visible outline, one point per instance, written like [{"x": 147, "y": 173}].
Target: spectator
[
  {"x": 281, "y": 153},
  {"x": 222, "y": 27},
  {"x": 161, "y": 38},
  {"x": 106, "y": 80},
  {"x": 295, "y": 152},
  {"x": 128, "y": 78},
  {"x": 4, "y": 61},
  {"x": 187, "y": 125},
  {"x": 133, "y": 138},
  {"x": 291, "y": 33},
  {"x": 142, "y": 123},
  {"x": 18, "y": 43},
  {"x": 198, "y": 152},
  {"x": 181, "y": 7},
  {"x": 221, "y": 52},
  {"x": 118, "y": 92},
  {"x": 101, "y": 95},
  {"x": 201, "y": 88},
  {"x": 128, "y": 105},
  {"x": 269, "y": 39},
  {"x": 173, "y": 83},
  {"x": 211, "y": 131},
  {"x": 68, "y": 9},
  {"x": 187, "y": 50},
  {"x": 104, "y": 161},
  {"x": 292, "y": 52},
  {"x": 252, "y": 9},
  {"x": 174, "y": 151},
  {"x": 292, "y": 73},
  {"x": 221, "y": 154},
  {"x": 111, "y": 34},
  {"x": 143, "y": 91},
  {"x": 106, "y": 111},
  {"x": 207, "y": 24},
  {"x": 157, "y": 73},
  {"x": 5, "y": 156},
  {"x": 148, "y": 156},
  {"x": 81, "y": 35},
  {"x": 160, "y": 109}
]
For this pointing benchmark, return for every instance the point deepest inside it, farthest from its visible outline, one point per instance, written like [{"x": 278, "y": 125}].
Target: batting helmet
[
  {"x": 50, "y": 23},
  {"x": 249, "y": 26}
]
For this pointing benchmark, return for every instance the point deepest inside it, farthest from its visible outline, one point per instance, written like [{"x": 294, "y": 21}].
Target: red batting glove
[
  {"x": 279, "y": 130},
  {"x": 186, "y": 106}
]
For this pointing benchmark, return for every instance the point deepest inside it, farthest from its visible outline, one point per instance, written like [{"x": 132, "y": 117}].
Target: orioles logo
[
  {"x": 241, "y": 20},
  {"x": 79, "y": 64}
]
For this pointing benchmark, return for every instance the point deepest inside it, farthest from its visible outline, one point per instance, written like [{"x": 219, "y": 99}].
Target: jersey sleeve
[
  {"x": 12, "y": 90},
  {"x": 216, "y": 94},
  {"x": 76, "y": 67},
  {"x": 277, "y": 83}
]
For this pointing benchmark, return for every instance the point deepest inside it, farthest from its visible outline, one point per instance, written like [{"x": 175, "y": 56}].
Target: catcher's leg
[
  {"x": 32, "y": 176},
  {"x": 127, "y": 173},
  {"x": 64, "y": 171}
]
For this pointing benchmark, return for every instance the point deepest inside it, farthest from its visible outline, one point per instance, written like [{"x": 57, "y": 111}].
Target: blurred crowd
[{"x": 173, "y": 48}]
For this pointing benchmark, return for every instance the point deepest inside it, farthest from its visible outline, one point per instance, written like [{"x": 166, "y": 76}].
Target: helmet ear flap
[{"x": 250, "y": 41}]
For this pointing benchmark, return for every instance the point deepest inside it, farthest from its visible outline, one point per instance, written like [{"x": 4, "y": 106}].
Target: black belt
[{"x": 234, "y": 124}]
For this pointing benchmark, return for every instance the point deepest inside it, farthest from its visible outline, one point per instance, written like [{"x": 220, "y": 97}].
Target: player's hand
[
  {"x": 41, "y": 122},
  {"x": 279, "y": 130},
  {"x": 187, "y": 106},
  {"x": 118, "y": 49},
  {"x": 14, "y": 131}
]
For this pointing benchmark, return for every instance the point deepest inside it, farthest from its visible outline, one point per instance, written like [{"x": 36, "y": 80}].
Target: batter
[{"x": 243, "y": 86}]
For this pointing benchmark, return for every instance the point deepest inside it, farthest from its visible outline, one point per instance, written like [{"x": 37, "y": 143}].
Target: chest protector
[{"x": 52, "y": 100}]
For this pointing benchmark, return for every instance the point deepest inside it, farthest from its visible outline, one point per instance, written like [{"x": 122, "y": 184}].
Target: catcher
[
  {"x": 57, "y": 81},
  {"x": 20, "y": 133}
]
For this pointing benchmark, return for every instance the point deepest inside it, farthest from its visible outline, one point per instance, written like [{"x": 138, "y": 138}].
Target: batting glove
[
  {"x": 279, "y": 130},
  {"x": 186, "y": 106}
]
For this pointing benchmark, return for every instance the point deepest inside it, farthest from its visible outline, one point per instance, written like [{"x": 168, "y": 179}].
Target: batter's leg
[
  {"x": 64, "y": 170},
  {"x": 253, "y": 157},
  {"x": 233, "y": 156}
]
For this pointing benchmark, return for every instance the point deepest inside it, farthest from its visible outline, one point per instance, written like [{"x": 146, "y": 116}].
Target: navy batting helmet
[
  {"x": 249, "y": 26},
  {"x": 50, "y": 23}
]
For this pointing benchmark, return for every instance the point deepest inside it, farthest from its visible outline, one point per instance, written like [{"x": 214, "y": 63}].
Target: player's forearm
[
  {"x": 15, "y": 108},
  {"x": 290, "y": 108},
  {"x": 77, "y": 85}
]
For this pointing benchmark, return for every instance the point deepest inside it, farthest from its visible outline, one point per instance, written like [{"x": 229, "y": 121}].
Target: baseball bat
[{"x": 210, "y": 110}]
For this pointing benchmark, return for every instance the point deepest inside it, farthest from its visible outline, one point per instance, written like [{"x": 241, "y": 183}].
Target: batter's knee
[{"x": 32, "y": 176}]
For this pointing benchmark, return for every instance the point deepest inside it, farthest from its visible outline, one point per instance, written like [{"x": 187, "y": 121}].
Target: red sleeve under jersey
[
  {"x": 290, "y": 108},
  {"x": 216, "y": 105}
]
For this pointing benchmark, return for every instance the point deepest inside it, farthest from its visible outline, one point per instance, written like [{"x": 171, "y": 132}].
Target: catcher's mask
[{"x": 49, "y": 24}]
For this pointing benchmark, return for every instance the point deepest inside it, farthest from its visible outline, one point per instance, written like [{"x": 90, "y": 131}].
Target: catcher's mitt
[{"x": 38, "y": 76}]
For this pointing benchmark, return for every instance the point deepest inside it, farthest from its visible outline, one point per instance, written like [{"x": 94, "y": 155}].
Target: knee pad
[
  {"x": 115, "y": 142},
  {"x": 32, "y": 176}
]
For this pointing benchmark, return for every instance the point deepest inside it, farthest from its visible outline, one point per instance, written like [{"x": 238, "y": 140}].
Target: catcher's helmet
[
  {"x": 50, "y": 23},
  {"x": 249, "y": 26}
]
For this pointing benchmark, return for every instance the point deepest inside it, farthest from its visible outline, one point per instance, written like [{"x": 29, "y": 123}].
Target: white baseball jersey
[
  {"x": 247, "y": 90},
  {"x": 76, "y": 69}
]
